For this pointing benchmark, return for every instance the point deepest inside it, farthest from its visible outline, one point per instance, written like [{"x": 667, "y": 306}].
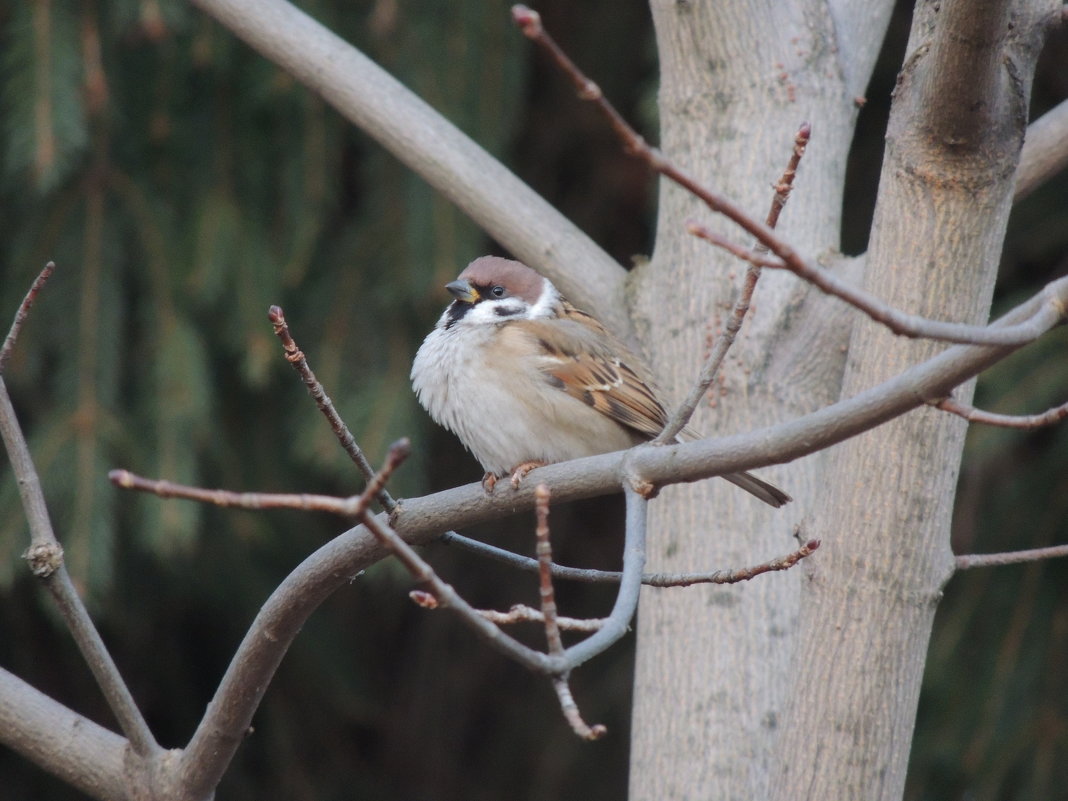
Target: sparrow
[{"x": 525, "y": 379}]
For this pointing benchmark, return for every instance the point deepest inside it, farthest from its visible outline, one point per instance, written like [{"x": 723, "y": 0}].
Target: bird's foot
[
  {"x": 489, "y": 481},
  {"x": 520, "y": 472}
]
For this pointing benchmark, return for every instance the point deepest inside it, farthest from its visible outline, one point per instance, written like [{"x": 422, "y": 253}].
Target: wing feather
[{"x": 580, "y": 357}]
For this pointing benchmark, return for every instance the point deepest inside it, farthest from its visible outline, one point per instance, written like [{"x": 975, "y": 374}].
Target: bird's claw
[{"x": 520, "y": 472}]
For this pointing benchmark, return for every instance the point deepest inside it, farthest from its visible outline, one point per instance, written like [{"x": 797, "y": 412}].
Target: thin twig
[
  {"x": 517, "y": 613},
  {"x": 521, "y": 613},
  {"x": 45, "y": 557},
  {"x": 1049, "y": 313},
  {"x": 545, "y": 574},
  {"x": 724, "y": 341},
  {"x": 23, "y": 312},
  {"x": 572, "y": 714},
  {"x": 295, "y": 356},
  {"x": 899, "y": 322},
  {"x": 732, "y": 576},
  {"x": 974, "y": 415},
  {"x": 593, "y": 576},
  {"x": 307, "y": 502},
  {"x": 966, "y": 561}
]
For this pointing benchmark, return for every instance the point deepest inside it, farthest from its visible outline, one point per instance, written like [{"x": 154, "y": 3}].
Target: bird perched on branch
[{"x": 525, "y": 379}]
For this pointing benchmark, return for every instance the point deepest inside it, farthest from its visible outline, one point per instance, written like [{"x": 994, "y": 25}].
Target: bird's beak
[{"x": 462, "y": 291}]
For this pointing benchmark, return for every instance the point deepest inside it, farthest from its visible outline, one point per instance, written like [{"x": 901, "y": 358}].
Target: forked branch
[{"x": 897, "y": 321}]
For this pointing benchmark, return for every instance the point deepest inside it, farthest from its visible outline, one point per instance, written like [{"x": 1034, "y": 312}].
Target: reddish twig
[
  {"x": 353, "y": 506},
  {"x": 23, "y": 312},
  {"x": 897, "y": 321},
  {"x": 1049, "y": 313},
  {"x": 518, "y": 613},
  {"x": 731, "y": 576},
  {"x": 572, "y": 714},
  {"x": 593, "y": 576},
  {"x": 723, "y": 343},
  {"x": 544, "y": 551},
  {"x": 966, "y": 561},
  {"x": 295, "y": 356},
  {"x": 974, "y": 415},
  {"x": 307, "y": 502}
]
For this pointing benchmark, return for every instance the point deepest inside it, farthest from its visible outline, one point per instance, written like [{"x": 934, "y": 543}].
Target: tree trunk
[
  {"x": 946, "y": 188},
  {"x": 807, "y": 680},
  {"x": 711, "y": 662}
]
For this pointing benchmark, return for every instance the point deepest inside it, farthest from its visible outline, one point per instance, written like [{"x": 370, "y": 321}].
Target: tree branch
[
  {"x": 295, "y": 356},
  {"x": 505, "y": 207},
  {"x": 901, "y": 323},
  {"x": 1045, "y": 150},
  {"x": 23, "y": 313},
  {"x": 724, "y": 341},
  {"x": 418, "y": 521},
  {"x": 593, "y": 576},
  {"x": 963, "y": 105},
  {"x": 967, "y": 561},
  {"x": 896, "y": 320},
  {"x": 974, "y": 415},
  {"x": 45, "y": 558},
  {"x": 59, "y": 740}
]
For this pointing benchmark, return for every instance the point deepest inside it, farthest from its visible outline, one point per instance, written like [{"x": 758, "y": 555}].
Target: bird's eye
[{"x": 498, "y": 291}]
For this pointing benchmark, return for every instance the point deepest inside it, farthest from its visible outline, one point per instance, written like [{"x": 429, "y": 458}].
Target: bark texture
[
  {"x": 710, "y": 687},
  {"x": 946, "y": 189},
  {"x": 806, "y": 686}
]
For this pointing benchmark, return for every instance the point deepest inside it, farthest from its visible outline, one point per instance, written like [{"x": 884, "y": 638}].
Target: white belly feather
[{"x": 505, "y": 412}]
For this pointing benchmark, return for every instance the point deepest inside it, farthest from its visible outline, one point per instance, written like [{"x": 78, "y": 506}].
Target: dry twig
[
  {"x": 23, "y": 312},
  {"x": 966, "y": 561},
  {"x": 45, "y": 558},
  {"x": 897, "y": 321},
  {"x": 295, "y": 356},
  {"x": 974, "y": 415},
  {"x": 724, "y": 341},
  {"x": 594, "y": 576}
]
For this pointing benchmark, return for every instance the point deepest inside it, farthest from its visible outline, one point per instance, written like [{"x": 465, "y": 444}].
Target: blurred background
[{"x": 183, "y": 184}]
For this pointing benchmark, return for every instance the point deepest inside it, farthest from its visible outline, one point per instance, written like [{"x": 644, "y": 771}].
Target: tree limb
[
  {"x": 61, "y": 741},
  {"x": 1045, "y": 150},
  {"x": 505, "y": 207},
  {"x": 45, "y": 557}
]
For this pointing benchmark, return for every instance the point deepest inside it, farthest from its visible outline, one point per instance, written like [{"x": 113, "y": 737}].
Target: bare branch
[
  {"x": 545, "y": 573},
  {"x": 46, "y": 559},
  {"x": 517, "y": 613},
  {"x": 1045, "y": 150},
  {"x": 405, "y": 125},
  {"x": 295, "y": 356},
  {"x": 902, "y": 323},
  {"x": 899, "y": 322},
  {"x": 91, "y": 758},
  {"x": 571, "y": 712},
  {"x": 237, "y": 500},
  {"x": 966, "y": 561},
  {"x": 521, "y": 613},
  {"x": 23, "y": 312},
  {"x": 732, "y": 576},
  {"x": 594, "y": 576},
  {"x": 974, "y": 415},
  {"x": 724, "y": 341}
]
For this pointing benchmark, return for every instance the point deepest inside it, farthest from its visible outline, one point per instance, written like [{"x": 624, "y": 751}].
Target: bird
[{"x": 524, "y": 378}]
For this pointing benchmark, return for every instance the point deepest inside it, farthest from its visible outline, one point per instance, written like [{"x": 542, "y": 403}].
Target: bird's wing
[{"x": 578, "y": 356}]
